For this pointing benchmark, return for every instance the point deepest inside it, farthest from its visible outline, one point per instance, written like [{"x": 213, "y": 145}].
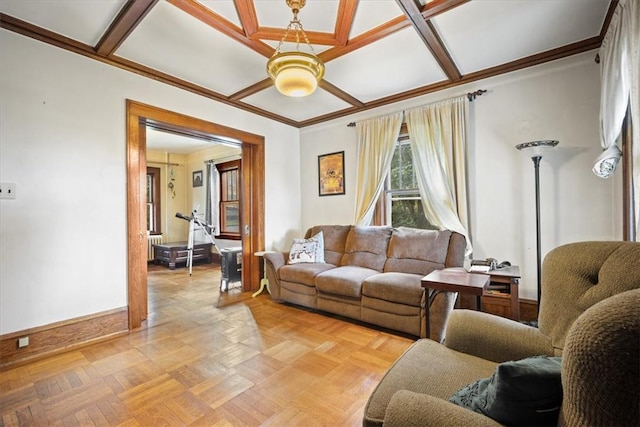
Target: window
[
  {"x": 400, "y": 204},
  {"x": 153, "y": 201},
  {"x": 230, "y": 199}
]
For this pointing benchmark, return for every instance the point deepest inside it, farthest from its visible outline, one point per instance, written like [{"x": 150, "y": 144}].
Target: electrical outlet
[
  {"x": 7, "y": 190},
  {"x": 23, "y": 342}
]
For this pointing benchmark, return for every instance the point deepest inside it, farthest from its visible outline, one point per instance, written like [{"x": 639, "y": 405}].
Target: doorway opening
[{"x": 139, "y": 116}]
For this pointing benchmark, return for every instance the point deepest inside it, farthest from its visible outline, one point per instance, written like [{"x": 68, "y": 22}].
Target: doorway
[{"x": 252, "y": 196}]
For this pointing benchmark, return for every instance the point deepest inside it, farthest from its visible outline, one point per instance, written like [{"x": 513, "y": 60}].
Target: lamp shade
[
  {"x": 295, "y": 74},
  {"x": 537, "y": 148}
]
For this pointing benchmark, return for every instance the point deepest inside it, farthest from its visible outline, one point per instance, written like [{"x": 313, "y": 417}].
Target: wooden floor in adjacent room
[{"x": 210, "y": 359}]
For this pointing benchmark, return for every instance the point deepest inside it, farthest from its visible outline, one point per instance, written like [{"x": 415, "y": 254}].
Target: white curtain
[
  {"x": 376, "y": 142},
  {"x": 212, "y": 210},
  {"x": 439, "y": 145},
  {"x": 620, "y": 69}
]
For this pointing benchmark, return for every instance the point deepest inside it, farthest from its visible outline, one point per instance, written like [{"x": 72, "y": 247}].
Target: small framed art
[
  {"x": 331, "y": 174},
  {"x": 197, "y": 178}
]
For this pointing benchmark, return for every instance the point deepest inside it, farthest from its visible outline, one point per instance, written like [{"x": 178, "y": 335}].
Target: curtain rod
[
  {"x": 471, "y": 96},
  {"x": 163, "y": 163}
]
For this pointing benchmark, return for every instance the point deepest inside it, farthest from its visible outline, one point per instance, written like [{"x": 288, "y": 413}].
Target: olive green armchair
[{"x": 589, "y": 315}]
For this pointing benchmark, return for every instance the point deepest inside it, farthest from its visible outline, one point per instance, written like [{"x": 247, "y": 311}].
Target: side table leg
[{"x": 263, "y": 283}]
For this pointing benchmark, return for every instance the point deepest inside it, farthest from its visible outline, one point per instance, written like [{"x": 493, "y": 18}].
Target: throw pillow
[
  {"x": 519, "y": 393},
  {"x": 302, "y": 252},
  {"x": 319, "y": 248}
]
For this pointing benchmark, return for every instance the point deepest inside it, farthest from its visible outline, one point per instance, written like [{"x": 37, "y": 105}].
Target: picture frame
[
  {"x": 197, "y": 178},
  {"x": 331, "y": 174}
]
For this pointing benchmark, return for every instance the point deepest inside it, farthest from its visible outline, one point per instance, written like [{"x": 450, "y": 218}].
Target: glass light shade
[
  {"x": 295, "y": 74},
  {"x": 537, "y": 148}
]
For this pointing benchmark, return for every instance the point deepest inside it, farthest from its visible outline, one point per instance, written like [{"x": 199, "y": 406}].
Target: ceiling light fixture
[{"x": 295, "y": 73}]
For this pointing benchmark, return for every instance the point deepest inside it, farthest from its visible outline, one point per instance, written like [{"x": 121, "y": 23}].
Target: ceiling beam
[
  {"x": 344, "y": 21},
  {"x": 366, "y": 38},
  {"x": 250, "y": 90},
  {"x": 437, "y": 7},
  {"x": 339, "y": 93},
  {"x": 248, "y": 17},
  {"x": 127, "y": 20},
  {"x": 430, "y": 37}
]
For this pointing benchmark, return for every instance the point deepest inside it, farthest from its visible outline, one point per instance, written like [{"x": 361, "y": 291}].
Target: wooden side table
[
  {"x": 453, "y": 280},
  {"x": 501, "y": 297}
]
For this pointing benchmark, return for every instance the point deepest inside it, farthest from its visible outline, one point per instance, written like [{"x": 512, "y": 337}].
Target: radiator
[{"x": 154, "y": 239}]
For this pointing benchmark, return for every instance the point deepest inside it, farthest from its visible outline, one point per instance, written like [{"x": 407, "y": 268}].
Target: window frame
[
  {"x": 384, "y": 206},
  {"x": 230, "y": 189}
]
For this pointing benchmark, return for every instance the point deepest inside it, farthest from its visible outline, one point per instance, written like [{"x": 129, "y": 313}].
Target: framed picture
[
  {"x": 331, "y": 174},
  {"x": 197, "y": 178}
]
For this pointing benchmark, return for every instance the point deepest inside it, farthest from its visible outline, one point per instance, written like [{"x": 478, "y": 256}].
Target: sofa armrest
[
  {"x": 408, "y": 409},
  {"x": 272, "y": 263},
  {"x": 494, "y": 338}
]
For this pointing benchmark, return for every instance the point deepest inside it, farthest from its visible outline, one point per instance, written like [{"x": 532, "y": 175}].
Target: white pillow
[
  {"x": 302, "y": 252},
  {"x": 314, "y": 244}
]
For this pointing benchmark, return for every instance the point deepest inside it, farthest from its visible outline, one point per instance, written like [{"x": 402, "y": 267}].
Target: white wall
[
  {"x": 63, "y": 250},
  {"x": 559, "y": 100}
]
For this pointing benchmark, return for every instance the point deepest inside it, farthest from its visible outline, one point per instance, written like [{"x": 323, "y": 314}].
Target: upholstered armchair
[{"x": 589, "y": 315}]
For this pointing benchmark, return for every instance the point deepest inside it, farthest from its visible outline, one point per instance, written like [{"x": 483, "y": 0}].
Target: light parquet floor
[{"x": 207, "y": 358}]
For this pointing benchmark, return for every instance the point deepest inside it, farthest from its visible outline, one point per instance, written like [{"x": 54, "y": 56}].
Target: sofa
[
  {"x": 588, "y": 317},
  {"x": 371, "y": 274}
]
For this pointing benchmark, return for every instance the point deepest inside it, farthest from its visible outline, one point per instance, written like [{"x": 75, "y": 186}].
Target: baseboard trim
[{"x": 58, "y": 337}]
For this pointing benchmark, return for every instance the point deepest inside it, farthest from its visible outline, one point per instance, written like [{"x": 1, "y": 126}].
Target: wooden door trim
[{"x": 252, "y": 197}]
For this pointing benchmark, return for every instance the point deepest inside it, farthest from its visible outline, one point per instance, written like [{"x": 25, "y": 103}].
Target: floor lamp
[{"x": 535, "y": 150}]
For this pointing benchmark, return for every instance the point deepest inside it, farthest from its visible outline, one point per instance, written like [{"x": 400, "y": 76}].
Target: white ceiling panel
[
  {"x": 373, "y": 13},
  {"x": 193, "y": 51},
  {"x": 397, "y": 63},
  {"x": 317, "y": 104},
  {"x": 224, "y": 8},
  {"x": 485, "y": 33},
  {"x": 84, "y": 21}
]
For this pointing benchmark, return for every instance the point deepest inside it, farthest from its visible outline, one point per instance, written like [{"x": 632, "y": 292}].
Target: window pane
[
  {"x": 408, "y": 212},
  {"x": 402, "y": 174}
]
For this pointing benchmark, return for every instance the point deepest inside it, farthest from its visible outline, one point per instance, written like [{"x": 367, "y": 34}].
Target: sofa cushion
[
  {"x": 417, "y": 251},
  {"x": 403, "y": 288},
  {"x": 335, "y": 237},
  {"x": 303, "y": 273},
  {"x": 519, "y": 393},
  {"x": 367, "y": 247},
  {"x": 345, "y": 280}
]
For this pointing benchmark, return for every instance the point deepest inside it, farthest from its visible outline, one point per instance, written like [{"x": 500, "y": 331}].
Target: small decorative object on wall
[
  {"x": 331, "y": 173},
  {"x": 197, "y": 178}
]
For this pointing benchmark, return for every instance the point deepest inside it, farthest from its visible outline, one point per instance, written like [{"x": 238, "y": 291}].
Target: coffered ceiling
[{"x": 375, "y": 51}]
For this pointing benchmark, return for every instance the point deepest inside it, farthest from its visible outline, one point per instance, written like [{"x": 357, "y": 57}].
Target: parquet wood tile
[{"x": 206, "y": 358}]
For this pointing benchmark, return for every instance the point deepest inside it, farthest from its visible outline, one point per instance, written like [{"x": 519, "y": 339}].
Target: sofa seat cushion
[
  {"x": 303, "y": 273},
  {"x": 403, "y": 288},
  {"x": 346, "y": 280}
]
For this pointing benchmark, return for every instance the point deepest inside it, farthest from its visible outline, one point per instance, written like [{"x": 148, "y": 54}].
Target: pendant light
[{"x": 295, "y": 73}]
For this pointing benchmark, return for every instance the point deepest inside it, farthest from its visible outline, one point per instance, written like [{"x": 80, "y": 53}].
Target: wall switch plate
[
  {"x": 7, "y": 190},
  {"x": 23, "y": 342}
]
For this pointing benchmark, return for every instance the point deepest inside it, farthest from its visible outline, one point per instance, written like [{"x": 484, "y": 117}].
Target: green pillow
[{"x": 519, "y": 393}]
